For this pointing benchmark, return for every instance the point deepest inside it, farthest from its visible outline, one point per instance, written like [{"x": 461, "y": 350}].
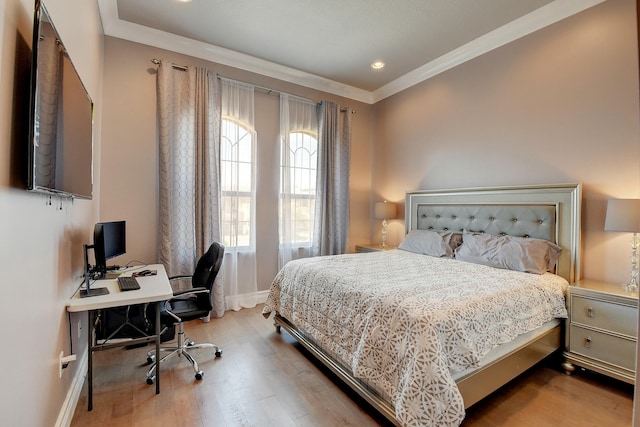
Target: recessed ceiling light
[
  {"x": 183, "y": 1},
  {"x": 377, "y": 65}
]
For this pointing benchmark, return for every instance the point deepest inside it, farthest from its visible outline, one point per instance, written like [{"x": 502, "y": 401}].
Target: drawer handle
[
  {"x": 590, "y": 312},
  {"x": 587, "y": 342}
]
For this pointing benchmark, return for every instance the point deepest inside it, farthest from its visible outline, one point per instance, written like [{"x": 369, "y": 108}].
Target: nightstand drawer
[
  {"x": 608, "y": 348},
  {"x": 605, "y": 315}
]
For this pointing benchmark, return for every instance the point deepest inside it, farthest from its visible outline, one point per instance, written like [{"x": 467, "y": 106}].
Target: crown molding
[
  {"x": 549, "y": 14},
  {"x": 115, "y": 27},
  {"x": 527, "y": 24}
]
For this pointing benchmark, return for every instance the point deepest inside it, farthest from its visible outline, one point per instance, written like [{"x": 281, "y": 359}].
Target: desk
[{"x": 153, "y": 289}]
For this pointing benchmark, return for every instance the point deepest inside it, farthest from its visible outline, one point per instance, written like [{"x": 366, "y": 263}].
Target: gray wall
[
  {"x": 560, "y": 105},
  {"x": 130, "y": 162}
]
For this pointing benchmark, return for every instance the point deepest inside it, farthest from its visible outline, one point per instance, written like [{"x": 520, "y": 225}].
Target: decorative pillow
[
  {"x": 513, "y": 253},
  {"x": 431, "y": 243},
  {"x": 453, "y": 239}
]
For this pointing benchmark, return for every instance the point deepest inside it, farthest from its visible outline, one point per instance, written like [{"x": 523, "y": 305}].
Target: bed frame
[{"x": 550, "y": 212}]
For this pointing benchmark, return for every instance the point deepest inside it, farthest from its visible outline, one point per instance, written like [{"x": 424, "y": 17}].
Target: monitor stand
[
  {"x": 93, "y": 292},
  {"x": 89, "y": 291}
]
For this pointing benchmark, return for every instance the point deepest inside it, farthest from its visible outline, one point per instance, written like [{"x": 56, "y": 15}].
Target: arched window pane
[
  {"x": 236, "y": 175},
  {"x": 302, "y": 153}
]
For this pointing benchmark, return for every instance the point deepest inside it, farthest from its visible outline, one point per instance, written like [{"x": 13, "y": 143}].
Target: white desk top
[{"x": 152, "y": 288}]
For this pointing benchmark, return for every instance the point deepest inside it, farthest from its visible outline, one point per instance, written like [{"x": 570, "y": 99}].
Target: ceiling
[{"x": 329, "y": 45}]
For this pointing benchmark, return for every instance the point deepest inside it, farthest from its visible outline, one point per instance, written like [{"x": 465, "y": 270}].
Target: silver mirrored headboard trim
[{"x": 550, "y": 212}]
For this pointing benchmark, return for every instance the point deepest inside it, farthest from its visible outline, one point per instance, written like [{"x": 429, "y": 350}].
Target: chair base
[{"x": 180, "y": 349}]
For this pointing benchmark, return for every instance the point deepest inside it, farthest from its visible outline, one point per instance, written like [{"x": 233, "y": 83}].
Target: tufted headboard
[{"x": 550, "y": 212}]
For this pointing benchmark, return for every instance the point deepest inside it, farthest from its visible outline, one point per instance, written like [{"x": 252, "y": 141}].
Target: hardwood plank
[{"x": 267, "y": 379}]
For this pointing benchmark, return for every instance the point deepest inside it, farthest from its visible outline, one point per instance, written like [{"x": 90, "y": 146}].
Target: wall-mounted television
[{"x": 61, "y": 117}]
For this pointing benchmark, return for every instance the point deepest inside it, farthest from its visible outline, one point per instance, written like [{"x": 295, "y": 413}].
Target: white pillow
[
  {"x": 430, "y": 243},
  {"x": 509, "y": 252}
]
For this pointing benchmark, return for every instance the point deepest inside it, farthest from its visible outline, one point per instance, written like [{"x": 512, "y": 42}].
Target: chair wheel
[
  {"x": 151, "y": 359},
  {"x": 199, "y": 375},
  {"x": 218, "y": 353},
  {"x": 151, "y": 380}
]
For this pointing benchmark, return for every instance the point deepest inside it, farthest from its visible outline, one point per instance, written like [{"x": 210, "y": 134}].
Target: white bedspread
[{"x": 401, "y": 320}]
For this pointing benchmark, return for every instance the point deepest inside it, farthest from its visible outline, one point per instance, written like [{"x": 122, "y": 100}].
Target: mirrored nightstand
[{"x": 601, "y": 329}]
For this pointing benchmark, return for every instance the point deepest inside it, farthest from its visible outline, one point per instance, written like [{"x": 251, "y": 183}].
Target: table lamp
[
  {"x": 624, "y": 215},
  {"x": 384, "y": 210}
]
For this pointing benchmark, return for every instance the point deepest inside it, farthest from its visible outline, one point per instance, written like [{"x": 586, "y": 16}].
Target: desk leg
[
  {"x": 158, "y": 331},
  {"x": 90, "y": 334}
]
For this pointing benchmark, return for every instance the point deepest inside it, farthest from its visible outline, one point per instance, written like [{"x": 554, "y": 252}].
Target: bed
[{"x": 423, "y": 337}]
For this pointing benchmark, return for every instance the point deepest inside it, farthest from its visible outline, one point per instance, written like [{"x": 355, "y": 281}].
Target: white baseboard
[
  {"x": 73, "y": 395},
  {"x": 246, "y": 300}
]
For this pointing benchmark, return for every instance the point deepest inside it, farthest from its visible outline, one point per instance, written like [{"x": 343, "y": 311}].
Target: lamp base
[
  {"x": 632, "y": 286},
  {"x": 384, "y": 234}
]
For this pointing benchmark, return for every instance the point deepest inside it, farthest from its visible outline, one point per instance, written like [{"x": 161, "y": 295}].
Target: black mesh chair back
[
  {"x": 206, "y": 272},
  {"x": 190, "y": 304}
]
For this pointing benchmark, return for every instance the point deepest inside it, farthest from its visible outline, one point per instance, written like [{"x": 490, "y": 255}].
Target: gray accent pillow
[
  {"x": 431, "y": 243},
  {"x": 509, "y": 252}
]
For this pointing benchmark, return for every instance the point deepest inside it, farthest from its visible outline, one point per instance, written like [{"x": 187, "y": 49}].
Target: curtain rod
[
  {"x": 264, "y": 89},
  {"x": 175, "y": 66},
  {"x": 270, "y": 91}
]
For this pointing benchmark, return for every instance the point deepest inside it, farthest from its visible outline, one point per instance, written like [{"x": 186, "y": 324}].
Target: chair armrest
[
  {"x": 182, "y": 295},
  {"x": 192, "y": 291},
  {"x": 183, "y": 276}
]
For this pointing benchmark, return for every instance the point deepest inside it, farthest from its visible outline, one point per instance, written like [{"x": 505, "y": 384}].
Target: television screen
[
  {"x": 109, "y": 241},
  {"x": 61, "y": 117}
]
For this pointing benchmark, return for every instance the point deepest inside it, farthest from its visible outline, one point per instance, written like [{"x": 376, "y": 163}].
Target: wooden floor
[{"x": 266, "y": 379}]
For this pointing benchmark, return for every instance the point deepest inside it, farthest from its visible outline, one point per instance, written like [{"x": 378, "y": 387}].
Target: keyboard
[{"x": 128, "y": 283}]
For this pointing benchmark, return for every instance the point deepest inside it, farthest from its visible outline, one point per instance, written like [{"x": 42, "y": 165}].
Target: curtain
[
  {"x": 238, "y": 157},
  {"x": 189, "y": 176},
  {"x": 332, "y": 192},
  {"x": 298, "y": 164}
]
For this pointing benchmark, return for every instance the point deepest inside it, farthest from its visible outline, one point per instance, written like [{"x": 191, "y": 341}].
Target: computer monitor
[{"x": 109, "y": 241}]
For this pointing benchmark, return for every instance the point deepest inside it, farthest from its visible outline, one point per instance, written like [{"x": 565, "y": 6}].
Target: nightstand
[
  {"x": 601, "y": 330},
  {"x": 372, "y": 248}
]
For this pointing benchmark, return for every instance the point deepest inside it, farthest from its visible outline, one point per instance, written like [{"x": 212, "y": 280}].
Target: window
[
  {"x": 298, "y": 185},
  {"x": 237, "y": 178}
]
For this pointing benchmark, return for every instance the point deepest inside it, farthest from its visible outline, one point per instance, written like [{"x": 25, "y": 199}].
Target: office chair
[{"x": 190, "y": 304}]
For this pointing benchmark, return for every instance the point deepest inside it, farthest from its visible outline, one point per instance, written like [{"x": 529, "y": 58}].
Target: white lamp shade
[
  {"x": 623, "y": 215},
  {"x": 384, "y": 210}
]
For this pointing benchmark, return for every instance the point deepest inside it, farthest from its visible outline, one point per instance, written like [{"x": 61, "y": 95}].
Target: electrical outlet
[
  {"x": 63, "y": 362},
  {"x": 60, "y": 368}
]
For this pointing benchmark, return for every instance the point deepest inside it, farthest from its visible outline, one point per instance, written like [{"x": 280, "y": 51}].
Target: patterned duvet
[{"x": 401, "y": 321}]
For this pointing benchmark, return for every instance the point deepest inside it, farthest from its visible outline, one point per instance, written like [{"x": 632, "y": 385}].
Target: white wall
[
  {"x": 40, "y": 244},
  {"x": 560, "y": 105}
]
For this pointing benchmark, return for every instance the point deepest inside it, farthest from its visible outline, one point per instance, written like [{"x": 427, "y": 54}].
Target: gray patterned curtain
[
  {"x": 332, "y": 190},
  {"x": 189, "y": 145}
]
